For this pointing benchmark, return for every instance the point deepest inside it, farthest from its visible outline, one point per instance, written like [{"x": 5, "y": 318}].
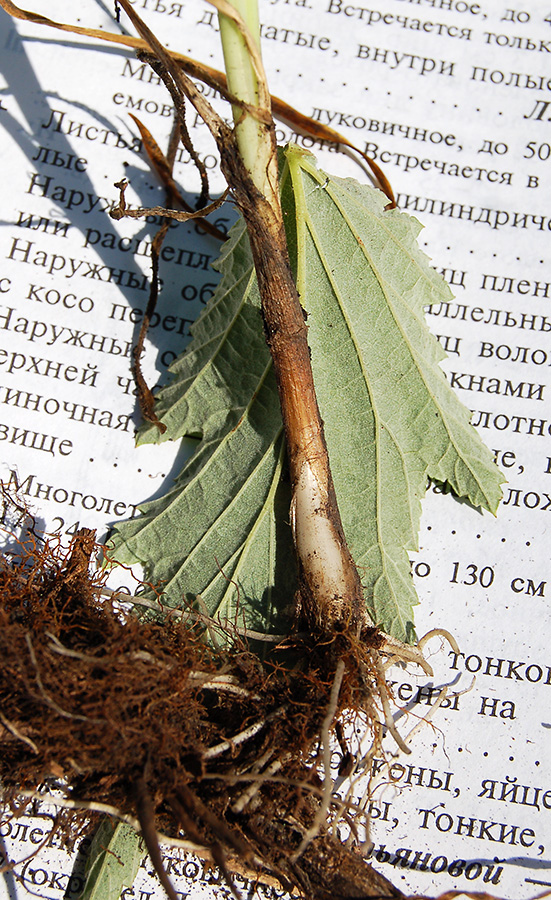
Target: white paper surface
[{"x": 453, "y": 98}]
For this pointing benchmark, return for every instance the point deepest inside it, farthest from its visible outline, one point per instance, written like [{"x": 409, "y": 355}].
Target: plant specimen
[{"x": 315, "y": 388}]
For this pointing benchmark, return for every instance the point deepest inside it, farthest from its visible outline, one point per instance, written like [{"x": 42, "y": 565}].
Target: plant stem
[
  {"x": 253, "y": 139},
  {"x": 330, "y": 589}
]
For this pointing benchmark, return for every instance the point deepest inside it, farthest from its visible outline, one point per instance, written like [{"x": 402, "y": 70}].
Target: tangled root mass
[{"x": 152, "y": 719}]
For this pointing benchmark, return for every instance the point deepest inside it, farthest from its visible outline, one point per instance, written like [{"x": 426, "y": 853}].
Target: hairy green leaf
[
  {"x": 222, "y": 531},
  {"x": 391, "y": 420},
  {"x": 113, "y": 861}
]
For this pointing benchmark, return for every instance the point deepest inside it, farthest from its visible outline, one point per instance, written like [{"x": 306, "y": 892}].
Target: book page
[{"x": 452, "y": 99}]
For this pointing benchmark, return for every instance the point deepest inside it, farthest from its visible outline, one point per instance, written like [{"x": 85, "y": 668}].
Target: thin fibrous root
[
  {"x": 438, "y": 632},
  {"x": 203, "y": 680},
  {"x": 9, "y": 726},
  {"x": 250, "y": 793},
  {"x": 10, "y": 864},
  {"x": 442, "y": 694},
  {"x": 323, "y": 810},
  {"x": 47, "y": 699},
  {"x": 398, "y": 651},
  {"x": 243, "y": 736},
  {"x": 146, "y": 817},
  {"x": 387, "y": 712}
]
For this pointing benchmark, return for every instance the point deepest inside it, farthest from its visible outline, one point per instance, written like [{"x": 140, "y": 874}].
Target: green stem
[{"x": 253, "y": 141}]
